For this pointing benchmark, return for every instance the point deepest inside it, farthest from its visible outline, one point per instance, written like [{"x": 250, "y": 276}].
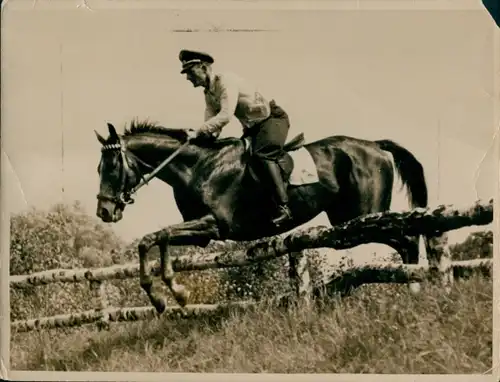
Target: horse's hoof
[
  {"x": 414, "y": 288},
  {"x": 160, "y": 305},
  {"x": 182, "y": 297}
]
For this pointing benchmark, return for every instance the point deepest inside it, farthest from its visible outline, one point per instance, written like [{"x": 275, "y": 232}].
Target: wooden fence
[{"x": 374, "y": 228}]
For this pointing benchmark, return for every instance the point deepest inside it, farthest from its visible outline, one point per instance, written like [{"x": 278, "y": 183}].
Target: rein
[{"x": 125, "y": 196}]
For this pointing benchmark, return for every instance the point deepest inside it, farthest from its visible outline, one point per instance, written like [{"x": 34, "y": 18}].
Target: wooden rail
[
  {"x": 120, "y": 315},
  {"x": 402, "y": 273},
  {"x": 343, "y": 282}
]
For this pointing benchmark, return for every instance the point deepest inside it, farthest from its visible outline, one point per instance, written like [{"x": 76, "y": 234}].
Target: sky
[{"x": 424, "y": 79}]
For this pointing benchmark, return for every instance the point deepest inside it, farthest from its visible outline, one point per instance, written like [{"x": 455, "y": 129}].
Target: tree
[{"x": 477, "y": 245}]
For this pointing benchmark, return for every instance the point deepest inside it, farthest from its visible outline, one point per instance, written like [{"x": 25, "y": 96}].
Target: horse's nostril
[{"x": 104, "y": 213}]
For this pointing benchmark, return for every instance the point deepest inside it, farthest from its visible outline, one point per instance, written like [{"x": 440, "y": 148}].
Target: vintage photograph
[{"x": 249, "y": 190}]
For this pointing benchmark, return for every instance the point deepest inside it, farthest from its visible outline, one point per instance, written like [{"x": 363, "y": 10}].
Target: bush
[{"x": 62, "y": 237}]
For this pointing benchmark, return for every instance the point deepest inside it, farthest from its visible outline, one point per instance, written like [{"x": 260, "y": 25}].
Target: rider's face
[{"x": 197, "y": 75}]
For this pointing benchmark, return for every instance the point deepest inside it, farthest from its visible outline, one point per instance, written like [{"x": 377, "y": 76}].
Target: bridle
[{"x": 124, "y": 197}]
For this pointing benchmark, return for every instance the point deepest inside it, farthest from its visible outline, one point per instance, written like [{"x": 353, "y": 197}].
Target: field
[{"x": 380, "y": 328}]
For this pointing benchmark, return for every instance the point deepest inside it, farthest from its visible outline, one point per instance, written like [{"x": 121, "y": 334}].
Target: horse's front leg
[{"x": 194, "y": 232}]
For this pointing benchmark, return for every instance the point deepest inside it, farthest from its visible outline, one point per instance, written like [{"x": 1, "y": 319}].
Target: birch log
[
  {"x": 354, "y": 277},
  {"x": 123, "y": 314},
  {"x": 338, "y": 283}
]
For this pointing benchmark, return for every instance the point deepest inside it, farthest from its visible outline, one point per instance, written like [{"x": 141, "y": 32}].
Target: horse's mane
[{"x": 145, "y": 126}]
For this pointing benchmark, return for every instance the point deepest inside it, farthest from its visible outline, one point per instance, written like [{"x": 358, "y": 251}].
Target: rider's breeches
[{"x": 271, "y": 134}]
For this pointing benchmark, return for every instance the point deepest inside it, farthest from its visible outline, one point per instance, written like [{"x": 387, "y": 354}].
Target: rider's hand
[
  {"x": 192, "y": 134},
  {"x": 204, "y": 133},
  {"x": 201, "y": 133}
]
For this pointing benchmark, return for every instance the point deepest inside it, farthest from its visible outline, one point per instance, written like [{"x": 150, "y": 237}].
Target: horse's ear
[
  {"x": 112, "y": 131},
  {"x": 100, "y": 138}
]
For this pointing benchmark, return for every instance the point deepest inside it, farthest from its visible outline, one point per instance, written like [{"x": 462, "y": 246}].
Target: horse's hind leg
[
  {"x": 195, "y": 232},
  {"x": 376, "y": 197},
  {"x": 438, "y": 256},
  {"x": 408, "y": 248}
]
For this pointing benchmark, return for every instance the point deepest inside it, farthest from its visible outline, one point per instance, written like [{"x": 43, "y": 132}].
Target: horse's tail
[{"x": 410, "y": 170}]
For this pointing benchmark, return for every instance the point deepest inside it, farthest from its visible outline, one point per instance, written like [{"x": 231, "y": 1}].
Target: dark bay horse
[{"x": 220, "y": 200}]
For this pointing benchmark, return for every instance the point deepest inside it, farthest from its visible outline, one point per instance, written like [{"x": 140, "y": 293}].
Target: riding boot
[{"x": 274, "y": 172}]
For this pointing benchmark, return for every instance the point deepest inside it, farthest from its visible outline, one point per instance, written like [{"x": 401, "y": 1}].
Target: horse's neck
[
  {"x": 176, "y": 173},
  {"x": 192, "y": 161}
]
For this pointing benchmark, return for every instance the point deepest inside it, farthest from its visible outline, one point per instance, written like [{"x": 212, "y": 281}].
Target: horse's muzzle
[{"x": 109, "y": 211}]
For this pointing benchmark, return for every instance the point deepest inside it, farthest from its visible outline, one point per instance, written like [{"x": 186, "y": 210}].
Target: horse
[{"x": 220, "y": 197}]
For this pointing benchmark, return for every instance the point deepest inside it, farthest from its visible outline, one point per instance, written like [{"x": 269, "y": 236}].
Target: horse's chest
[{"x": 190, "y": 203}]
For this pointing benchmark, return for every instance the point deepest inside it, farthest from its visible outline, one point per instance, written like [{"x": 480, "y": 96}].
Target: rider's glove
[{"x": 192, "y": 134}]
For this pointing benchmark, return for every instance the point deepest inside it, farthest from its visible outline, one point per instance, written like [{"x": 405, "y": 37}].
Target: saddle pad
[{"x": 304, "y": 169}]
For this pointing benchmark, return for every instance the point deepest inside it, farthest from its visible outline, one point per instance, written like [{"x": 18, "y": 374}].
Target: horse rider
[{"x": 267, "y": 124}]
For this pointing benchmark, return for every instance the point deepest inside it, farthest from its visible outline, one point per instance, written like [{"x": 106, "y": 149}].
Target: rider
[{"x": 265, "y": 122}]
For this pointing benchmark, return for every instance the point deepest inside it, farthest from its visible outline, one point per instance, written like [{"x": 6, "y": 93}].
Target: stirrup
[{"x": 284, "y": 215}]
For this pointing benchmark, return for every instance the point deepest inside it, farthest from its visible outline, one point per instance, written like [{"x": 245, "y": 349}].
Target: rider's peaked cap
[{"x": 191, "y": 57}]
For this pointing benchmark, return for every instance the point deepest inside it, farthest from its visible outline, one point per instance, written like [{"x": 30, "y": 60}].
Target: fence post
[
  {"x": 439, "y": 258},
  {"x": 300, "y": 279},
  {"x": 100, "y": 302}
]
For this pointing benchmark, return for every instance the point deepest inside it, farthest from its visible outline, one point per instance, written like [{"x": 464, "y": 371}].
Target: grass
[{"x": 379, "y": 329}]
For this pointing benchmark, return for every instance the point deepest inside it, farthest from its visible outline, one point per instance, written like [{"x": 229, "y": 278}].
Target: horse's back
[
  {"x": 344, "y": 141},
  {"x": 361, "y": 152}
]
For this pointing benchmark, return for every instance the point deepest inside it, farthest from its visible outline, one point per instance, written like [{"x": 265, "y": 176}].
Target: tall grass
[{"x": 380, "y": 329}]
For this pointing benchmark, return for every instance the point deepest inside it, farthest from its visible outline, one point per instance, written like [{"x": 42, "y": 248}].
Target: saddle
[{"x": 285, "y": 162}]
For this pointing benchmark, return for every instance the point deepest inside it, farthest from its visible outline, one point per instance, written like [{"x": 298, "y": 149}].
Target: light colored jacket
[{"x": 229, "y": 95}]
